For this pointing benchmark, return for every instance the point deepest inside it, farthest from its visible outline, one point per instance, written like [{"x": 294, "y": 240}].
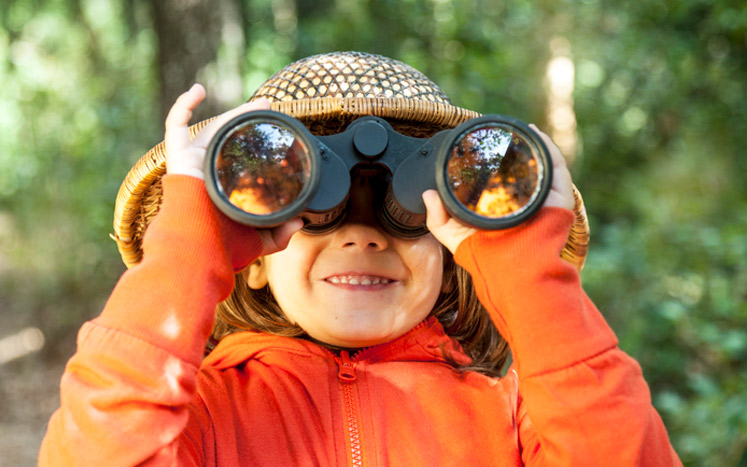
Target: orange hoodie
[{"x": 138, "y": 392}]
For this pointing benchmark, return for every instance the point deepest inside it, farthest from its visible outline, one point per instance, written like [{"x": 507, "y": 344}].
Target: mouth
[{"x": 358, "y": 279}]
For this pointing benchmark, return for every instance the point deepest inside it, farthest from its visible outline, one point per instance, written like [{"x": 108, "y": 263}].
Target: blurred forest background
[{"x": 646, "y": 98}]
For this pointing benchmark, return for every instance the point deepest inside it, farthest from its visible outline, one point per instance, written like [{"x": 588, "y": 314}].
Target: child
[{"x": 353, "y": 347}]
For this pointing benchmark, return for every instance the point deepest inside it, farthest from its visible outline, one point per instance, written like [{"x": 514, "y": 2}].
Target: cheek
[
  {"x": 287, "y": 269},
  {"x": 283, "y": 278},
  {"x": 427, "y": 275},
  {"x": 425, "y": 260}
]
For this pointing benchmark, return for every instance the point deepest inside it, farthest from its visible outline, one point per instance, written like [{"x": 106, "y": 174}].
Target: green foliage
[
  {"x": 76, "y": 97},
  {"x": 659, "y": 100}
]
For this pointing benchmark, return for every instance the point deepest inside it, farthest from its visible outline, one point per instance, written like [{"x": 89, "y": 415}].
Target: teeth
[{"x": 358, "y": 280}]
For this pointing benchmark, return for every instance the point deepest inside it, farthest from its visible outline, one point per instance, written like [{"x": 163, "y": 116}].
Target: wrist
[
  {"x": 542, "y": 235},
  {"x": 188, "y": 207},
  {"x": 193, "y": 172}
]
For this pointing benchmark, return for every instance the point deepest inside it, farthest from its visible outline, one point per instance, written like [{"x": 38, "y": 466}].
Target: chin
[
  {"x": 357, "y": 340},
  {"x": 362, "y": 328},
  {"x": 358, "y": 336}
]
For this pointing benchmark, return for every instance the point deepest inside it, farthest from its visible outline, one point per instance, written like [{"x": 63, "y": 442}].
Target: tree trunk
[{"x": 189, "y": 35}]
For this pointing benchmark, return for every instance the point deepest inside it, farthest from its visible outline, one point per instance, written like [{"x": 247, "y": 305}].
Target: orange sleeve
[
  {"x": 583, "y": 401},
  {"x": 125, "y": 393}
]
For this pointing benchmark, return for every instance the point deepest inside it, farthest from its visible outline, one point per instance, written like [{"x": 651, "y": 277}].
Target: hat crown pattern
[{"x": 349, "y": 75}]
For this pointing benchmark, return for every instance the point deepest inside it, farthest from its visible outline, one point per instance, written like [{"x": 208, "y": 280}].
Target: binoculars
[{"x": 263, "y": 168}]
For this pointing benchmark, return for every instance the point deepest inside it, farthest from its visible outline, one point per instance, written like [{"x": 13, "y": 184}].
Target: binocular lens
[
  {"x": 493, "y": 171},
  {"x": 262, "y": 167}
]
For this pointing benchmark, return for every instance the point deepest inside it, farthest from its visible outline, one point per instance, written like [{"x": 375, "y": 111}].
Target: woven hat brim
[
  {"x": 139, "y": 196},
  {"x": 410, "y": 110}
]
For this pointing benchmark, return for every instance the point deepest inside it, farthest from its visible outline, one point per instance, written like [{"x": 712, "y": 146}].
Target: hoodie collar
[{"x": 426, "y": 342}]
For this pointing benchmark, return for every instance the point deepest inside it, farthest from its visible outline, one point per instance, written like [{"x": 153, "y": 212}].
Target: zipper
[
  {"x": 347, "y": 378},
  {"x": 351, "y": 408}
]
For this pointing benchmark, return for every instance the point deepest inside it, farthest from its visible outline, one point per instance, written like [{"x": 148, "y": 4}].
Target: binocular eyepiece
[{"x": 264, "y": 168}]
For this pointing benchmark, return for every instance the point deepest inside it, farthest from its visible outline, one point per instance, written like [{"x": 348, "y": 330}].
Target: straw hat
[{"x": 325, "y": 92}]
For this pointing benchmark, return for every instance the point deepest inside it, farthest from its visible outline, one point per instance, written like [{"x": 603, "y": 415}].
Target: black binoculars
[{"x": 264, "y": 168}]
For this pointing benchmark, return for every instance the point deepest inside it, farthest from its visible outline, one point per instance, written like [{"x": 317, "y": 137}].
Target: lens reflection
[
  {"x": 493, "y": 171},
  {"x": 262, "y": 167}
]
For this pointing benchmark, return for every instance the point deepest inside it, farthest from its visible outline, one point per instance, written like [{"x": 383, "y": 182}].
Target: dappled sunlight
[
  {"x": 561, "y": 117},
  {"x": 20, "y": 344}
]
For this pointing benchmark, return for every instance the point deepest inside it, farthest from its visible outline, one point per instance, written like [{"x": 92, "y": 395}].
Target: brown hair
[{"x": 457, "y": 309}]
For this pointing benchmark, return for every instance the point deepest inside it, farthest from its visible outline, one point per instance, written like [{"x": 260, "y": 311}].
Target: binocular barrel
[{"x": 264, "y": 168}]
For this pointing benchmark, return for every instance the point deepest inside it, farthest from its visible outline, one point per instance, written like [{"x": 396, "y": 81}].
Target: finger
[
  {"x": 558, "y": 160},
  {"x": 177, "y": 121},
  {"x": 561, "y": 193},
  {"x": 181, "y": 112},
  {"x": 277, "y": 239},
  {"x": 202, "y": 139},
  {"x": 436, "y": 214},
  {"x": 283, "y": 233}
]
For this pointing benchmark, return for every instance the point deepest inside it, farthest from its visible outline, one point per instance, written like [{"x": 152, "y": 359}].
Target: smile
[{"x": 358, "y": 280}]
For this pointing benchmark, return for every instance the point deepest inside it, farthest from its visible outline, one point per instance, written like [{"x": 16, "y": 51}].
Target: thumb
[
  {"x": 436, "y": 213},
  {"x": 277, "y": 238},
  {"x": 447, "y": 230}
]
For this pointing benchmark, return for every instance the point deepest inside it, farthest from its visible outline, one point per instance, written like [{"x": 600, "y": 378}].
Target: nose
[
  {"x": 361, "y": 236},
  {"x": 361, "y": 228}
]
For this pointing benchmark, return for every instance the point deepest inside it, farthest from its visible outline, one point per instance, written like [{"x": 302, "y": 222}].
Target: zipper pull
[{"x": 347, "y": 367}]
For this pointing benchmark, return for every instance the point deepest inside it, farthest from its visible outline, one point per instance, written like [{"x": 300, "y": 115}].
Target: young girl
[{"x": 353, "y": 347}]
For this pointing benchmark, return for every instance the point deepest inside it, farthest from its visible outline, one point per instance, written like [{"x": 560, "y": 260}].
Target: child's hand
[
  {"x": 447, "y": 230},
  {"x": 450, "y": 232},
  {"x": 186, "y": 156},
  {"x": 561, "y": 190}
]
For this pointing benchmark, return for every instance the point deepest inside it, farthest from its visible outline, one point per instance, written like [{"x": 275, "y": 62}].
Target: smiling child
[{"x": 351, "y": 347}]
